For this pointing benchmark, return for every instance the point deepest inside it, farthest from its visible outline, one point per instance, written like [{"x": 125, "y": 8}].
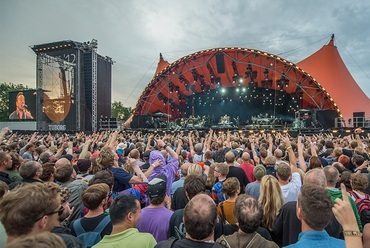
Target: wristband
[
  {"x": 352, "y": 233},
  {"x": 288, "y": 148},
  {"x": 164, "y": 147}
]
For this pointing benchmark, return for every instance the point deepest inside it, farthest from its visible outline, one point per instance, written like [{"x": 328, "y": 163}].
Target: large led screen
[{"x": 22, "y": 105}]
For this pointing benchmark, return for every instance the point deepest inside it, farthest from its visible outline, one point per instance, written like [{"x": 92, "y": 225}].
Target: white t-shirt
[{"x": 291, "y": 190}]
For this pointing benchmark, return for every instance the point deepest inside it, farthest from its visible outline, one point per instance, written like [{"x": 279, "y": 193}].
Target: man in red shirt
[{"x": 247, "y": 167}]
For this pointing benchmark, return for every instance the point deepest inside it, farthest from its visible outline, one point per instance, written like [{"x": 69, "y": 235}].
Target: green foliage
[
  {"x": 120, "y": 112},
  {"x": 5, "y": 88}
]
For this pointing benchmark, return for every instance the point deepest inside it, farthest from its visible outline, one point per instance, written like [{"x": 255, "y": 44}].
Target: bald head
[
  {"x": 245, "y": 156},
  {"x": 184, "y": 169},
  {"x": 62, "y": 161},
  {"x": 230, "y": 157},
  {"x": 278, "y": 153},
  {"x": 200, "y": 216},
  {"x": 332, "y": 175},
  {"x": 315, "y": 176}
]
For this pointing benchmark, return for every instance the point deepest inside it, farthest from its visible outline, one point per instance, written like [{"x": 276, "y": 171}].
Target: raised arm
[
  {"x": 228, "y": 139},
  {"x": 313, "y": 149},
  {"x": 179, "y": 146},
  {"x": 343, "y": 213},
  {"x": 302, "y": 162},
  {"x": 112, "y": 143},
  {"x": 85, "y": 149},
  {"x": 253, "y": 148},
  {"x": 191, "y": 147},
  {"x": 172, "y": 153},
  {"x": 292, "y": 159},
  {"x": 140, "y": 175},
  {"x": 3, "y": 132},
  {"x": 358, "y": 138},
  {"x": 209, "y": 140},
  {"x": 270, "y": 140}
]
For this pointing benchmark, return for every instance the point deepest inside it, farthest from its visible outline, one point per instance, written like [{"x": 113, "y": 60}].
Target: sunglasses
[{"x": 59, "y": 211}]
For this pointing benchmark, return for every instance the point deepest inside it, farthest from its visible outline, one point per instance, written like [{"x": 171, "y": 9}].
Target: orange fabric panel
[{"x": 328, "y": 68}]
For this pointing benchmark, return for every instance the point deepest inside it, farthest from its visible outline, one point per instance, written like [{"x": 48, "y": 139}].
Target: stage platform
[{"x": 255, "y": 129}]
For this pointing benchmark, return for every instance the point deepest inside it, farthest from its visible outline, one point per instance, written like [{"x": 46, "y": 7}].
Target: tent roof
[
  {"x": 230, "y": 67},
  {"x": 161, "y": 64},
  {"x": 328, "y": 68}
]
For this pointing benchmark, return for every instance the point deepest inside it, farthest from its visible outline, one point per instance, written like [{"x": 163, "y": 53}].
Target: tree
[
  {"x": 5, "y": 88},
  {"x": 120, "y": 112}
]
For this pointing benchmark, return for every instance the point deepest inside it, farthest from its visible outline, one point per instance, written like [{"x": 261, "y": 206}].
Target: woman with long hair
[
  {"x": 271, "y": 200},
  {"x": 314, "y": 162}
]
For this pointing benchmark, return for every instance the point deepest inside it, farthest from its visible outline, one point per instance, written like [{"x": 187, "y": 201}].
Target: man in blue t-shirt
[{"x": 315, "y": 211}]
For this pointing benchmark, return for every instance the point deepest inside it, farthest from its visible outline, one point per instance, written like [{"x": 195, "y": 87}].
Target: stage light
[
  {"x": 244, "y": 89},
  {"x": 348, "y": 131},
  {"x": 334, "y": 131},
  {"x": 285, "y": 131},
  {"x": 241, "y": 80},
  {"x": 237, "y": 90},
  {"x": 223, "y": 90}
]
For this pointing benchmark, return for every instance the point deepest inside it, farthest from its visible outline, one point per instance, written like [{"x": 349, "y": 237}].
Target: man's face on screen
[{"x": 20, "y": 102}]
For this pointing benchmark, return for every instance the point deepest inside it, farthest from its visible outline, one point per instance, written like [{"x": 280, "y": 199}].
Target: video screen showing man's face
[{"x": 17, "y": 102}]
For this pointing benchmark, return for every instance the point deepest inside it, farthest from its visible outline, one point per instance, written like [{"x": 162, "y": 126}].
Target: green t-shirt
[
  {"x": 336, "y": 193},
  {"x": 128, "y": 238}
]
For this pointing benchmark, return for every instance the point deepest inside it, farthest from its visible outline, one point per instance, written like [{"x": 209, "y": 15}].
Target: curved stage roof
[{"x": 320, "y": 82}]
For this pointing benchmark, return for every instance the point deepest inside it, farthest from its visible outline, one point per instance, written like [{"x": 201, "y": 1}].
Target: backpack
[
  {"x": 169, "y": 243},
  {"x": 256, "y": 241},
  {"x": 363, "y": 206},
  {"x": 90, "y": 238}
]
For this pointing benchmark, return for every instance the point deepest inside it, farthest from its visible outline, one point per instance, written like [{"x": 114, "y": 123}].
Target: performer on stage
[
  {"x": 21, "y": 111},
  {"x": 307, "y": 120}
]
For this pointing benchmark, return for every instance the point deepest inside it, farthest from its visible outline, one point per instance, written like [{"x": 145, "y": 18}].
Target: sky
[{"x": 135, "y": 32}]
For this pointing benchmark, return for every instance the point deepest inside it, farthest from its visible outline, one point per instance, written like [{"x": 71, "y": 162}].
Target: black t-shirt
[
  {"x": 5, "y": 178},
  {"x": 89, "y": 225},
  {"x": 179, "y": 199},
  {"x": 240, "y": 175}
]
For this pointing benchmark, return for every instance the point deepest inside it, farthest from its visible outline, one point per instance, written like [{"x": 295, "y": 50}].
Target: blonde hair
[
  {"x": 40, "y": 240},
  {"x": 27, "y": 204},
  {"x": 359, "y": 182},
  {"x": 105, "y": 158},
  {"x": 222, "y": 168},
  {"x": 195, "y": 169},
  {"x": 271, "y": 200},
  {"x": 270, "y": 160},
  {"x": 211, "y": 179},
  {"x": 134, "y": 153}
]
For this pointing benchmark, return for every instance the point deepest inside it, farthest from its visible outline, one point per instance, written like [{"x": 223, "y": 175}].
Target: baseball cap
[{"x": 157, "y": 187}]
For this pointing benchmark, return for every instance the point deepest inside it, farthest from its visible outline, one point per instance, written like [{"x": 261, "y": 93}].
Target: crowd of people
[{"x": 177, "y": 189}]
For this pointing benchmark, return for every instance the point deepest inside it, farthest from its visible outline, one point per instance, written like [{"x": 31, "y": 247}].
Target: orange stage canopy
[{"x": 328, "y": 68}]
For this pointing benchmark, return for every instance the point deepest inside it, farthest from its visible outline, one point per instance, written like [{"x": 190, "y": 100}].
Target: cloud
[{"x": 133, "y": 33}]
